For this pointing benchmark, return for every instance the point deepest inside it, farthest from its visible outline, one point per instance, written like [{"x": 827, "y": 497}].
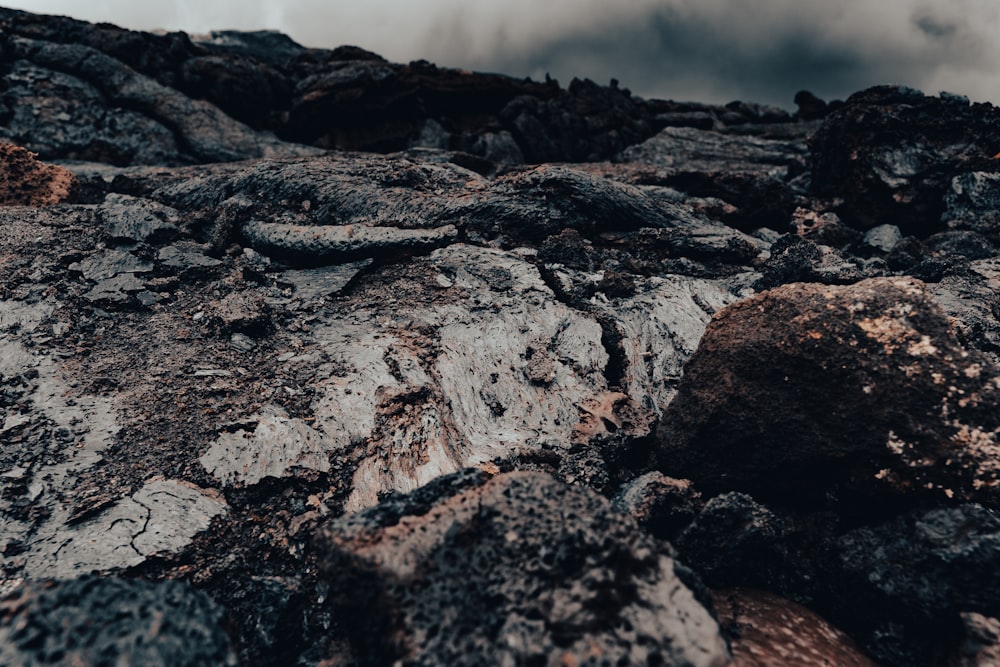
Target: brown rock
[
  {"x": 807, "y": 389},
  {"x": 982, "y": 642},
  {"x": 24, "y": 181},
  {"x": 766, "y": 630}
]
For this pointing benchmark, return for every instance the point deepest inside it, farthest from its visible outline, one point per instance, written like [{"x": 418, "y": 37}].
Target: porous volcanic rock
[
  {"x": 24, "y": 181},
  {"x": 806, "y": 389},
  {"x": 892, "y": 153},
  {"x": 94, "y": 621},
  {"x": 504, "y": 570}
]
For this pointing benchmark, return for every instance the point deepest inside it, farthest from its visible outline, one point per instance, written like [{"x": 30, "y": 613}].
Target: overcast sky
[{"x": 707, "y": 50}]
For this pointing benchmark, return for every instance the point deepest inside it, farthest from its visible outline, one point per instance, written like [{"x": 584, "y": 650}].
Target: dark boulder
[
  {"x": 891, "y": 153},
  {"x": 108, "y": 621},
  {"x": 808, "y": 390},
  {"x": 508, "y": 570}
]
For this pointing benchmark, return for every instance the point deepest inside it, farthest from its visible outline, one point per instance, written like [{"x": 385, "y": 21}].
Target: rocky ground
[{"x": 309, "y": 358}]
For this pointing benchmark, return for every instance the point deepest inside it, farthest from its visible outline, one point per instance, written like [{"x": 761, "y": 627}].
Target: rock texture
[
  {"x": 26, "y": 182},
  {"x": 512, "y": 569},
  {"x": 103, "y": 620},
  {"x": 510, "y": 372},
  {"x": 808, "y": 389}
]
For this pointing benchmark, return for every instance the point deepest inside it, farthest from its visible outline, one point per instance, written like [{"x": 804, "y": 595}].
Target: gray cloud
[{"x": 711, "y": 50}]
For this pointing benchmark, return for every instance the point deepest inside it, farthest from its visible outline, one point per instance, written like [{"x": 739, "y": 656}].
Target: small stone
[
  {"x": 883, "y": 237},
  {"x": 242, "y": 342}
]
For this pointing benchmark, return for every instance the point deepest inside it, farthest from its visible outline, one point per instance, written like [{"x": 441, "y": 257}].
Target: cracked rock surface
[{"x": 398, "y": 364}]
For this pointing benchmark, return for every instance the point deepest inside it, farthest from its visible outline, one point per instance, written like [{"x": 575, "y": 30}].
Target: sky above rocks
[{"x": 706, "y": 50}]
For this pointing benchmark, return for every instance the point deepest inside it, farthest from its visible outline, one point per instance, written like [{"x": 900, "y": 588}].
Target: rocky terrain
[{"x": 309, "y": 358}]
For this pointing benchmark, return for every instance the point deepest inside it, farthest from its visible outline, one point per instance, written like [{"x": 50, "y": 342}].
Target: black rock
[
  {"x": 108, "y": 621},
  {"x": 515, "y": 568}
]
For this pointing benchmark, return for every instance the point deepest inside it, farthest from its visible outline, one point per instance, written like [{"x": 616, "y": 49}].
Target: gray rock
[
  {"x": 118, "y": 289},
  {"x": 133, "y": 219},
  {"x": 691, "y": 149},
  {"x": 187, "y": 259},
  {"x": 322, "y": 244},
  {"x": 883, "y": 237},
  {"x": 509, "y": 569},
  {"x": 973, "y": 203},
  {"x": 109, "y": 264},
  {"x": 206, "y": 132}
]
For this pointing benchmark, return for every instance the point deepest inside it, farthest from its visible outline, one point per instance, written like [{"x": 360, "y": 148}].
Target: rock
[
  {"x": 317, "y": 245},
  {"x": 972, "y": 202},
  {"x": 926, "y": 565},
  {"x": 132, "y": 219},
  {"x": 906, "y": 581},
  {"x": 807, "y": 389},
  {"x": 883, "y": 238},
  {"x": 982, "y": 642},
  {"x": 810, "y": 106},
  {"x": 824, "y": 228},
  {"x": 892, "y": 154},
  {"x": 690, "y": 149},
  {"x": 186, "y": 259},
  {"x": 243, "y": 312},
  {"x": 110, "y": 264},
  {"x": 276, "y": 444},
  {"x": 734, "y": 541},
  {"x": 24, "y": 181},
  {"x": 206, "y": 134},
  {"x": 765, "y": 630},
  {"x": 965, "y": 244},
  {"x": 661, "y": 505},
  {"x": 458, "y": 574},
  {"x": 105, "y": 620}
]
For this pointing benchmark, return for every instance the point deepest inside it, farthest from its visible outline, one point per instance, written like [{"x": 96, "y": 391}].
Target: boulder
[
  {"x": 808, "y": 390},
  {"x": 473, "y": 570},
  {"x": 892, "y": 153}
]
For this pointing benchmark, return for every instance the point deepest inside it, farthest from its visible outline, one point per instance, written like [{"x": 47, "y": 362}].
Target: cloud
[{"x": 712, "y": 50}]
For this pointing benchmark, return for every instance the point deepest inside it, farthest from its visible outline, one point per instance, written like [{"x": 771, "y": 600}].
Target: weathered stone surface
[
  {"x": 807, "y": 388},
  {"x": 132, "y": 219},
  {"x": 465, "y": 576},
  {"x": 102, "y": 620},
  {"x": 891, "y": 154},
  {"x": 25, "y": 181},
  {"x": 765, "y": 630},
  {"x": 972, "y": 202}
]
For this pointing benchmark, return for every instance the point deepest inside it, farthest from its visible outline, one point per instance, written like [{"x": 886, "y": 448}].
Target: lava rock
[
  {"x": 733, "y": 541},
  {"x": 661, "y": 505},
  {"x": 982, "y": 642},
  {"x": 133, "y": 219},
  {"x": 973, "y": 203},
  {"x": 805, "y": 389},
  {"x": 517, "y": 567},
  {"x": 902, "y": 584},
  {"x": 24, "y": 181},
  {"x": 108, "y": 621},
  {"x": 766, "y": 630},
  {"x": 892, "y": 153},
  {"x": 926, "y": 565}
]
